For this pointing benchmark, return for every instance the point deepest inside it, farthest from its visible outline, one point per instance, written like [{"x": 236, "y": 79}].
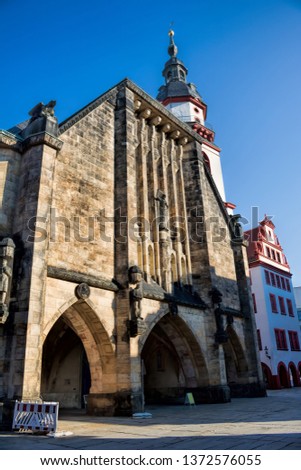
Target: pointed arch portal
[
  {"x": 235, "y": 362},
  {"x": 173, "y": 362},
  {"x": 77, "y": 357}
]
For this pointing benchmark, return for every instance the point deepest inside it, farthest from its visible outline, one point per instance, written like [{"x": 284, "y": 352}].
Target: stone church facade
[{"x": 124, "y": 280}]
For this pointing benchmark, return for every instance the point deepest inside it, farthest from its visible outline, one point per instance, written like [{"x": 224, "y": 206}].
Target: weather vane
[{"x": 171, "y": 32}]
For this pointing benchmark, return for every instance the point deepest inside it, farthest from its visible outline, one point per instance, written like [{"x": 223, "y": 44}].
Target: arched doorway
[
  {"x": 172, "y": 362},
  {"x": 235, "y": 362},
  {"x": 267, "y": 375},
  {"x": 78, "y": 358},
  {"x": 65, "y": 369},
  {"x": 293, "y": 374},
  {"x": 283, "y": 377}
]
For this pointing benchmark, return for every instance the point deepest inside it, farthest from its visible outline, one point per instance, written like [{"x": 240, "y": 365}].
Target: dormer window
[{"x": 182, "y": 75}]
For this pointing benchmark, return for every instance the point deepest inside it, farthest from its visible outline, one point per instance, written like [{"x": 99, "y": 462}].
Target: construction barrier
[{"x": 35, "y": 416}]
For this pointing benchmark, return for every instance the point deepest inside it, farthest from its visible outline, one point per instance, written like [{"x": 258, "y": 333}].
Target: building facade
[
  {"x": 275, "y": 308},
  {"x": 297, "y": 293},
  {"x": 123, "y": 278}
]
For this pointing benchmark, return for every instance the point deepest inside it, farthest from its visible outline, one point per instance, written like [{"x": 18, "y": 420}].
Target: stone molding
[
  {"x": 42, "y": 138},
  {"x": 8, "y": 140},
  {"x": 79, "y": 278},
  {"x": 110, "y": 97}
]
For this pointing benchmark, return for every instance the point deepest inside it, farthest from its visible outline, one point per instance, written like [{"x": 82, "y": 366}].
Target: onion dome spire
[{"x": 175, "y": 74}]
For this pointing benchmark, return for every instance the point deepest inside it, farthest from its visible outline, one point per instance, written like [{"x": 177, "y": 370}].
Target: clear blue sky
[{"x": 243, "y": 55}]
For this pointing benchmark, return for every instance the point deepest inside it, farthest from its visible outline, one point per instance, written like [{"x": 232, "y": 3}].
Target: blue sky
[{"x": 243, "y": 55}]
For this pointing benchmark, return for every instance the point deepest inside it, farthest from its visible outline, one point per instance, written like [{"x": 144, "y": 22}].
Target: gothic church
[{"x": 124, "y": 277}]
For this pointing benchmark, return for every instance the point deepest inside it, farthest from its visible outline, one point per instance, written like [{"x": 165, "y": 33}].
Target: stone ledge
[
  {"x": 42, "y": 138},
  {"x": 180, "y": 297},
  {"x": 8, "y": 140},
  {"x": 78, "y": 278}
]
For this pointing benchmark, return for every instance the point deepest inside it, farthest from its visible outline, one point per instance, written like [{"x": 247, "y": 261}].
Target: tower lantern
[{"x": 184, "y": 101}]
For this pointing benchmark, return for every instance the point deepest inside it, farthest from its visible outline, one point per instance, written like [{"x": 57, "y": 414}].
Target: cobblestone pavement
[{"x": 271, "y": 423}]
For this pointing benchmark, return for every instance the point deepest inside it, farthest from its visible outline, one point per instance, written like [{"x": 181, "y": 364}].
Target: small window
[
  {"x": 294, "y": 340},
  {"x": 278, "y": 282},
  {"x": 268, "y": 252},
  {"x": 280, "y": 337},
  {"x": 259, "y": 340},
  {"x": 273, "y": 279},
  {"x": 273, "y": 255},
  {"x": 273, "y": 303},
  {"x": 278, "y": 257},
  {"x": 283, "y": 285},
  {"x": 290, "y": 307},
  {"x": 288, "y": 286},
  {"x": 282, "y": 305},
  {"x": 267, "y": 277}
]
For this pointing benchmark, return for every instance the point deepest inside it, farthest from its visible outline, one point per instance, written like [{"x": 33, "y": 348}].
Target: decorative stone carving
[
  {"x": 183, "y": 141},
  {"x": 237, "y": 230},
  {"x": 137, "y": 327},
  {"x": 156, "y": 121},
  {"x": 163, "y": 210},
  {"x": 42, "y": 109},
  {"x": 136, "y": 324},
  {"x": 136, "y": 297},
  {"x": 145, "y": 114},
  {"x": 136, "y": 293},
  {"x": 82, "y": 291},
  {"x": 42, "y": 121},
  {"x": 221, "y": 334},
  {"x": 166, "y": 128},
  {"x": 137, "y": 105},
  {"x": 7, "y": 250},
  {"x": 175, "y": 134},
  {"x": 216, "y": 296}
]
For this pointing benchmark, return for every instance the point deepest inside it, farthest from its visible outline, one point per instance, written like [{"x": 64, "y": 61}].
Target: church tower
[{"x": 185, "y": 102}]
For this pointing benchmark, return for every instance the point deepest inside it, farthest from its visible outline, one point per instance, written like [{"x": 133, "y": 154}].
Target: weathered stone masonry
[{"x": 128, "y": 284}]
